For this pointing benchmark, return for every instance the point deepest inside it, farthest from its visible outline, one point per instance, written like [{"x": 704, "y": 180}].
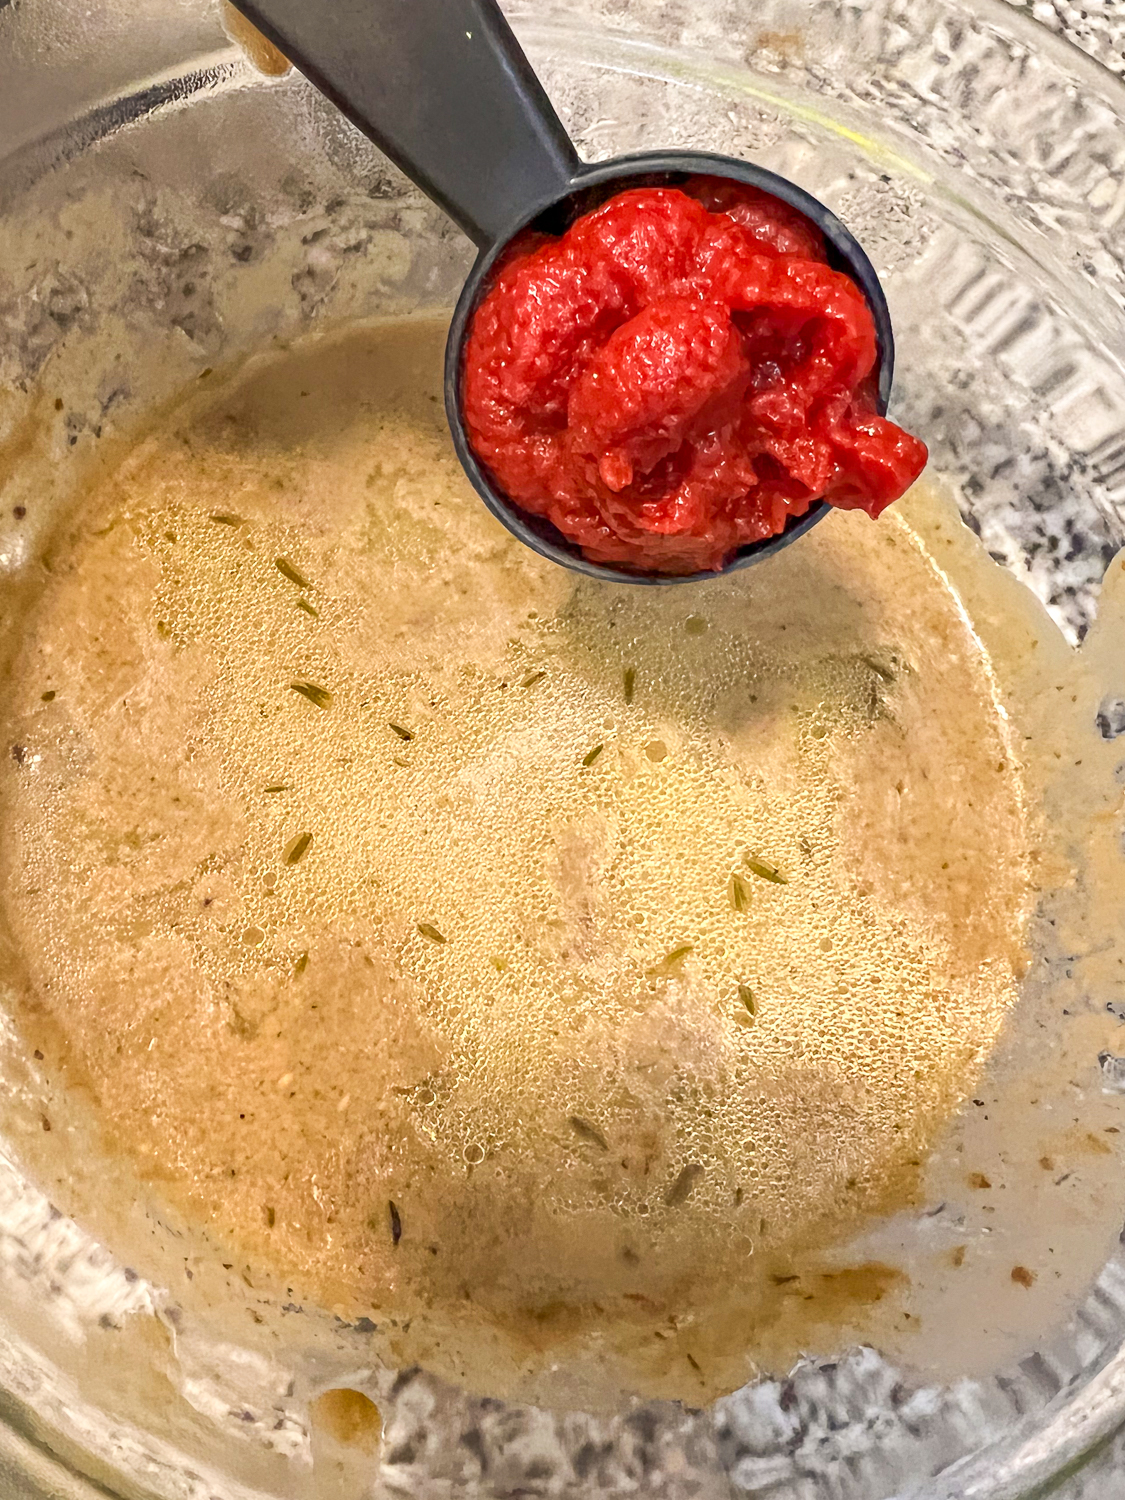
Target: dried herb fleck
[
  {"x": 296, "y": 848},
  {"x": 681, "y": 1189},
  {"x": 888, "y": 674},
  {"x": 294, "y": 575},
  {"x": 278, "y": 786},
  {"x": 396, "y": 1222},
  {"x": 630, "y": 683},
  {"x": 48, "y": 696},
  {"x": 271, "y": 1217},
  {"x": 428, "y": 930},
  {"x": 401, "y": 730},
  {"x": 748, "y": 998},
  {"x": 591, "y": 755},
  {"x": 764, "y": 869},
  {"x": 308, "y": 608},
  {"x": 302, "y": 963},
  {"x": 226, "y": 518},
  {"x": 532, "y": 678},
  {"x": 738, "y": 893},
  {"x": 588, "y": 1132},
  {"x": 671, "y": 960},
  {"x": 321, "y": 697}
]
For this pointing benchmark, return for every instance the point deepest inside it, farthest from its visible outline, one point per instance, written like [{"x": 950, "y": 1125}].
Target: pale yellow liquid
[{"x": 505, "y": 967}]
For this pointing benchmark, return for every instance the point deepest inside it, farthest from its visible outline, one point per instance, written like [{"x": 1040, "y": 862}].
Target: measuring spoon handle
[{"x": 444, "y": 89}]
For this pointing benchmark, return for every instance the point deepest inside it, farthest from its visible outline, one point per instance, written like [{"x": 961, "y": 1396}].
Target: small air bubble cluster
[{"x": 338, "y": 909}]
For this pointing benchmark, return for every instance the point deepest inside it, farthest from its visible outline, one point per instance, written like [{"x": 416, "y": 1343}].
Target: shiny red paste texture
[{"x": 677, "y": 375}]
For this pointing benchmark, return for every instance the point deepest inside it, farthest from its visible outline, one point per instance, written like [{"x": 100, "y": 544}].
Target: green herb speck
[
  {"x": 319, "y": 696},
  {"x": 671, "y": 960},
  {"x": 588, "y": 1132},
  {"x": 764, "y": 869},
  {"x": 296, "y": 848},
  {"x": 684, "y": 1183},
  {"x": 294, "y": 575}
]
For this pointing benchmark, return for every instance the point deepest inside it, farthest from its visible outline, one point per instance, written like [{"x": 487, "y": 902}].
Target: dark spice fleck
[
  {"x": 319, "y": 696},
  {"x": 748, "y": 998},
  {"x": 19, "y": 754},
  {"x": 428, "y": 930},
  {"x": 19, "y": 511},
  {"x": 591, "y": 755},
  {"x": 681, "y": 1189},
  {"x": 396, "y": 1223},
  {"x": 588, "y": 1132},
  {"x": 47, "y": 697},
  {"x": 630, "y": 683},
  {"x": 401, "y": 730},
  {"x": 294, "y": 575},
  {"x": 278, "y": 786},
  {"x": 296, "y": 848},
  {"x": 1022, "y": 1276},
  {"x": 226, "y": 518},
  {"x": 271, "y": 1217}
]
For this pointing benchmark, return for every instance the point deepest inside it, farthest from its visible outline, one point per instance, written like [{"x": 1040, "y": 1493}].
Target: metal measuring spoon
[{"x": 443, "y": 88}]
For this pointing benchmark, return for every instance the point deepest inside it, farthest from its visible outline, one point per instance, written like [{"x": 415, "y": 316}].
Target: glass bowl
[{"x": 165, "y": 208}]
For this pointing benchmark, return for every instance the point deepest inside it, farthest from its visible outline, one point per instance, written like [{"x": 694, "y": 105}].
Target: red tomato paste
[{"x": 677, "y": 375}]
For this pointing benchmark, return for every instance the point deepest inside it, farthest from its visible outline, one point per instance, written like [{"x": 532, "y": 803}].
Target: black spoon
[{"x": 444, "y": 89}]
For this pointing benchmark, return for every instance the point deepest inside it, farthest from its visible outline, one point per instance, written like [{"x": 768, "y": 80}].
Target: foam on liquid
[{"x": 450, "y": 999}]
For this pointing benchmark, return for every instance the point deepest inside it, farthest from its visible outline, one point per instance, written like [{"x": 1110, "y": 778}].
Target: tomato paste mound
[{"x": 677, "y": 375}]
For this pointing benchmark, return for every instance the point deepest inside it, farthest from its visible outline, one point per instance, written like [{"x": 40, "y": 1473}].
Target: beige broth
[{"x": 560, "y": 973}]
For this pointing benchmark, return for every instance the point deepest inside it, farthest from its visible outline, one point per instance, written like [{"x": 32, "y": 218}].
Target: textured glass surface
[{"x": 163, "y": 208}]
